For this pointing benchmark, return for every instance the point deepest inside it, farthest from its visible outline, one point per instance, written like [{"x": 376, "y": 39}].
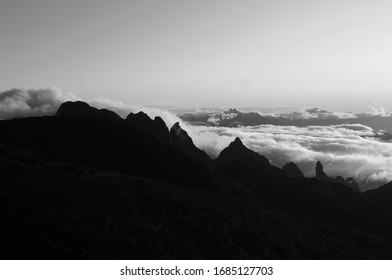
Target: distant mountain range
[
  {"x": 315, "y": 116},
  {"x": 87, "y": 184}
]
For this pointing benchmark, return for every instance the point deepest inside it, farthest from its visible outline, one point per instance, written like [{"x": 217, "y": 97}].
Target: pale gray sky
[{"x": 331, "y": 54}]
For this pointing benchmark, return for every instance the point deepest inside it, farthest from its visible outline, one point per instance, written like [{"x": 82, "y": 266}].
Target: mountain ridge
[{"x": 109, "y": 180}]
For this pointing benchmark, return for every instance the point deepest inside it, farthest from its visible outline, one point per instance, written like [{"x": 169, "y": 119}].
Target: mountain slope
[
  {"x": 292, "y": 170},
  {"x": 83, "y": 186},
  {"x": 181, "y": 140},
  {"x": 108, "y": 143},
  {"x": 144, "y": 123},
  {"x": 57, "y": 210}
]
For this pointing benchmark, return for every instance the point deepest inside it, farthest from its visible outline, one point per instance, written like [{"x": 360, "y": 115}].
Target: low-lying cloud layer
[{"x": 346, "y": 150}]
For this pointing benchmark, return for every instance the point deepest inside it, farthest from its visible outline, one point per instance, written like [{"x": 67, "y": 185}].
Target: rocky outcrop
[
  {"x": 237, "y": 150},
  {"x": 349, "y": 182},
  {"x": 292, "y": 170},
  {"x": 353, "y": 184},
  {"x": 144, "y": 123},
  {"x": 320, "y": 174},
  {"x": 182, "y": 141}
]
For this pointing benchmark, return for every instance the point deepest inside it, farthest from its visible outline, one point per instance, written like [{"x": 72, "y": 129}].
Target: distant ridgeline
[
  {"x": 87, "y": 184},
  {"x": 316, "y": 116}
]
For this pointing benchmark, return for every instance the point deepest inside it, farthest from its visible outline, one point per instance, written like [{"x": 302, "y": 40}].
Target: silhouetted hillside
[
  {"x": 109, "y": 143},
  {"x": 85, "y": 184},
  {"x": 144, "y": 123},
  {"x": 82, "y": 109},
  {"x": 181, "y": 140},
  {"x": 349, "y": 182},
  {"x": 292, "y": 170},
  {"x": 237, "y": 150},
  {"x": 310, "y": 117},
  {"x": 56, "y": 210}
]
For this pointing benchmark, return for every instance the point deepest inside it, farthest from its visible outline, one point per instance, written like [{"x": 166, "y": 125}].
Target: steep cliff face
[
  {"x": 320, "y": 174},
  {"x": 181, "y": 140}
]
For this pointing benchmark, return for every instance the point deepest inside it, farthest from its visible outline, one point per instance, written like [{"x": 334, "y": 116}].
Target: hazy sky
[{"x": 332, "y": 54}]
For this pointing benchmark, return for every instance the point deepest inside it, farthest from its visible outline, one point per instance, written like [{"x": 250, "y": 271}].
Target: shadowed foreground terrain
[{"x": 94, "y": 186}]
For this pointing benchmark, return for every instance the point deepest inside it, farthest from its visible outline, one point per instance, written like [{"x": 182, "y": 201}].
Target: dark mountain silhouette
[
  {"x": 381, "y": 196},
  {"x": 243, "y": 164},
  {"x": 156, "y": 127},
  {"x": 58, "y": 210},
  {"x": 350, "y": 182},
  {"x": 181, "y": 140},
  {"x": 82, "y": 134},
  {"x": 78, "y": 186},
  {"x": 237, "y": 150},
  {"x": 292, "y": 170},
  {"x": 320, "y": 174},
  {"x": 250, "y": 119},
  {"x": 82, "y": 109}
]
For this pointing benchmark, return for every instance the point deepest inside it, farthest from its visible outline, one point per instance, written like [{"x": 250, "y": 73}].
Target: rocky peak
[
  {"x": 292, "y": 170},
  {"x": 144, "y": 123},
  {"x": 159, "y": 121},
  {"x": 320, "y": 174},
  {"x": 180, "y": 139},
  {"x": 177, "y": 134},
  {"x": 237, "y": 150},
  {"x": 349, "y": 182},
  {"x": 237, "y": 143}
]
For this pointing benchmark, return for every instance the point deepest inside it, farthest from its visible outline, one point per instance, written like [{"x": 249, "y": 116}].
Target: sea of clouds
[{"x": 347, "y": 150}]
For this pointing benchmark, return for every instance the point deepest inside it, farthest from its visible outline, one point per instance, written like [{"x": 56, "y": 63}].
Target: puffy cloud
[
  {"x": 378, "y": 110},
  {"x": 347, "y": 150},
  {"x": 385, "y": 175},
  {"x": 27, "y": 102}
]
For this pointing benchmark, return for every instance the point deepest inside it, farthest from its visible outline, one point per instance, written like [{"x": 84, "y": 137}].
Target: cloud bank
[
  {"x": 28, "y": 102},
  {"x": 347, "y": 150}
]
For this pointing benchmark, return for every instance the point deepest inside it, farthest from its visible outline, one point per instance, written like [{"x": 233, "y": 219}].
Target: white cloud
[
  {"x": 385, "y": 175},
  {"x": 27, "y": 102},
  {"x": 378, "y": 110},
  {"x": 346, "y": 150}
]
